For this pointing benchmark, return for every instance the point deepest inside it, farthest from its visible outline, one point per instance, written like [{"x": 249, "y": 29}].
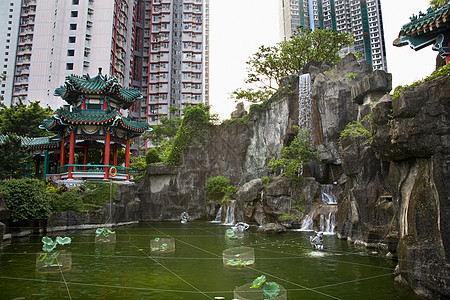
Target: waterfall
[
  {"x": 218, "y": 218},
  {"x": 262, "y": 196},
  {"x": 229, "y": 217},
  {"x": 328, "y": 196},
  {"x": 307, "y": 224},
  {"x": 327, "y": 223},
  {"x": 304, "y": 102}
]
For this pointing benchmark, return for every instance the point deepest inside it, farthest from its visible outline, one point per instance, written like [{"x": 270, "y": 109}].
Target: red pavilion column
[
  {"x": 127, "y": 159},
  {"x": 62, "y": 156},
  {"x": 107, "y": 148},
  {"x": 71, "y": 154}
]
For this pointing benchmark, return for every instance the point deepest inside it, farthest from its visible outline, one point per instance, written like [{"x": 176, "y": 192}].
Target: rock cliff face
[
  {"x": 240, "y": 149},
  {"x": 412, "y": 133},
  {"x": 393, "y": 189}
]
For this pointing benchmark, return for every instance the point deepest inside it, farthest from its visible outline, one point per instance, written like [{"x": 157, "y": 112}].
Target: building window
[
  {"x": 69, "y": 66},
  {"x": 75, "y": 2},
  {"x": 73, "y": 26},
  {"x": 71, "y": 39},
  {"x": 70, "y": 52},
  {"x": 74, "y": 13}
]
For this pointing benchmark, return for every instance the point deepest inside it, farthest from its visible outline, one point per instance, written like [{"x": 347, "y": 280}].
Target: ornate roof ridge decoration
[
  {"x": 425, "y": 21},
  {"x": 426, "y": 29},
  {"x": 75, "y": 85}
]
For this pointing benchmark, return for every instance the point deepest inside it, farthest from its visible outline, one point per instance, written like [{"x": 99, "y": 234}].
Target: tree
[
  {"x": 13, "y": 158},
  {"x": 270, "y": 64},
  {"x": 294, "y": 156},
  {"x": 438, "y": 3},
  {"x": 23, "y": 120}
]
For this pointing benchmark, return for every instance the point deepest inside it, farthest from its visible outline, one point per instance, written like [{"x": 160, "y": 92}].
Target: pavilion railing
[{"x": 93, "y": 171}]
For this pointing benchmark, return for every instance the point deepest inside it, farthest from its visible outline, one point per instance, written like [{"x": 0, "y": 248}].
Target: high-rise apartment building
[
  {"x": 158, "y": 46},
  {"x": 362, "y": 18},
  {"x": 171, "y": 59},
  {"x": 56, "y": 38}
]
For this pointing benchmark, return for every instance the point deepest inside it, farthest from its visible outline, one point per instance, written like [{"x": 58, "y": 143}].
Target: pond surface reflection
[{"x": 128, "y": 269}]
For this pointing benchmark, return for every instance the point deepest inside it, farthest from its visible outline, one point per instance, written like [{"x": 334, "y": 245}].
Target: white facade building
[
  {"x": 58, "y": 38},
  {"x": 361, "y": 18},
  {"x": 158, "y": 46}
]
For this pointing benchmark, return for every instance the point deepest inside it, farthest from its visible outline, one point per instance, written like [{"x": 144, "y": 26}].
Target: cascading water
[
  {"x": 328, "y": 196},
  {"x": 229, "y": 216},
  {"x": 218, "y": 218},
  {"x": 327, "y": 223},
  {"x": 304, "y": 102},
  {"x": 307, "y": 224}
]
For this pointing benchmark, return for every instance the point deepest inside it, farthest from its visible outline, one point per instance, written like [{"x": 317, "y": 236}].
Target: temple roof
[
  {"x": 62, "y": 118},
  {"x": 75, "y": 86},
  {"x": 423, "y": 22},
  {"x": 424, "y": 28},
  {"x": 44, "y": 142}
]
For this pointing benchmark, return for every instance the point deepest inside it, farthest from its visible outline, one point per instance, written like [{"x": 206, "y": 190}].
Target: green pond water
[{"x": 128, "y": 269}]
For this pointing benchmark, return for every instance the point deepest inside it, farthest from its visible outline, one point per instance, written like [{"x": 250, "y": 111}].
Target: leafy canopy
[
  {"x": 13, "y": 158},
  {"x": 270, "y": 64},
  {"x": 438, "y": 3},
  {"x": 24, "y": 120}
]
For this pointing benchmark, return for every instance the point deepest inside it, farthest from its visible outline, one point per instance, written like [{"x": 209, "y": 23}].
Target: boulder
[
  {"x": 271, "y": 228},
  {"x": 239, "y": 112},
  {"x": 375, "y": 84}
]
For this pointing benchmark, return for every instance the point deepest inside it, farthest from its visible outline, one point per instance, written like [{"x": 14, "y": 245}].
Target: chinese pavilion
[
  {"x": 93, "y": 120},
  {"x": 431, "y": 28}
]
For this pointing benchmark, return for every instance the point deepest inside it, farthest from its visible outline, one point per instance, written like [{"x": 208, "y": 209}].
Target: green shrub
[
  {"x": 27, "y": 199},
  {"x": 152, "y": 156},
  {"x": 266, "y": 180},
  {"x": 353, "y": 130},
  {"x": 99, "y": 193},
  {"x": 294, "y": 156},
  {"x": 138, "y": 165},
  {"x": 71, "y": 201},
  {"x": 219, "y": 187},
  {"x": 195, "y": 123}
]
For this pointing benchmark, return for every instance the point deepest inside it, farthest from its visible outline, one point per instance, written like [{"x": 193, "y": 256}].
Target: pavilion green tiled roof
[
  {"x": 98, "y": 85},
  {"x": 432, "y": 28},
  {"x": 86, "y": 116},
  {"x": 24, "y": 140},
  {"x": 62, "y": 118},
  {"x": 44, "y": 142},
  {"x": 426, "y": 22}
]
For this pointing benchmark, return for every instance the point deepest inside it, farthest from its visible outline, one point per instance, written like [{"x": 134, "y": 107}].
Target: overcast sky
[{"x": 239, "y": 27}]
